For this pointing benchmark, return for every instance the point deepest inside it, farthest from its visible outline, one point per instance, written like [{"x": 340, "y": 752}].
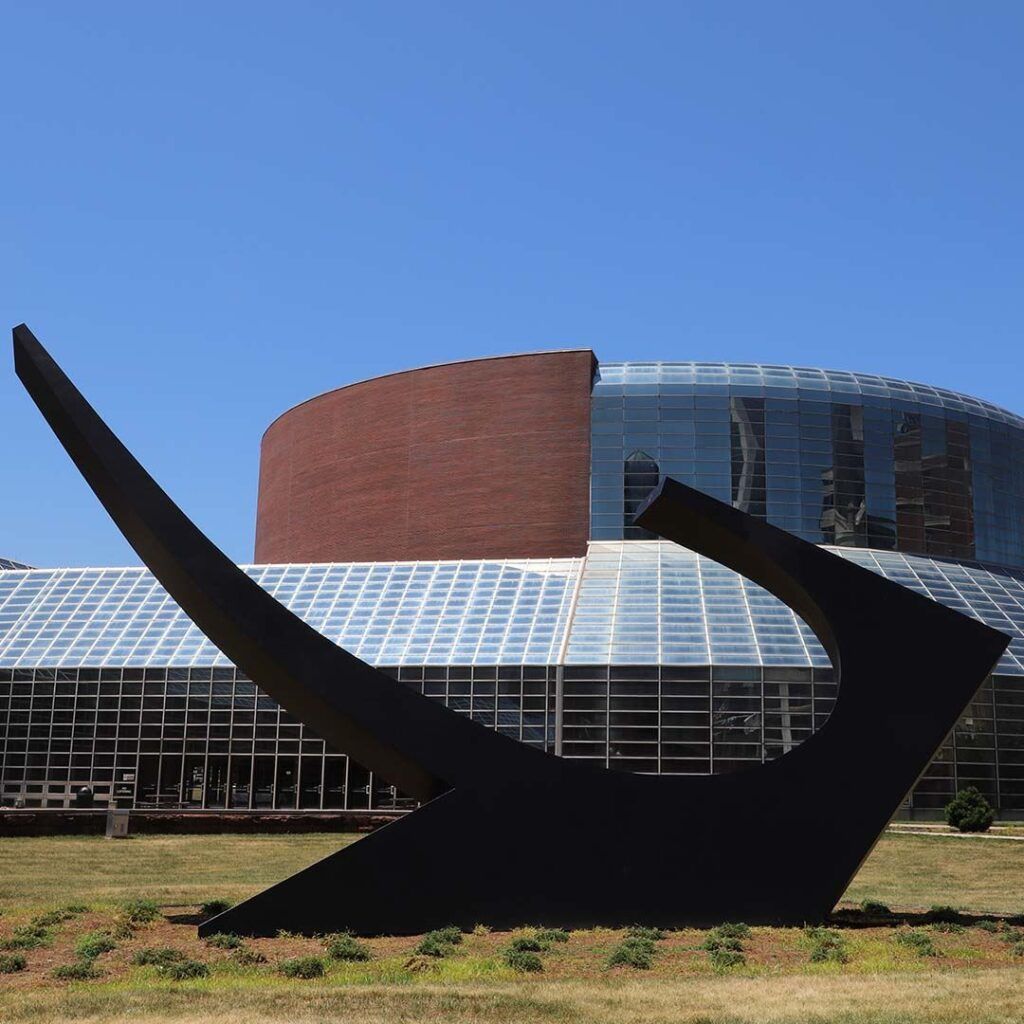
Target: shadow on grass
[
  {"x": 856, "y": 918},
  {"x": 193, "y": 918}
]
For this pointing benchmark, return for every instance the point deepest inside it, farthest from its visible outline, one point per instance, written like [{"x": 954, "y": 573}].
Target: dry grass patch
[
  {"x": 936, "y": 997},
  {"x": 46, "y": 871},
  {"x": 908, "y": 871},
  {"x": 905, "y": 871},
  {"x": 975, "y": 975}
]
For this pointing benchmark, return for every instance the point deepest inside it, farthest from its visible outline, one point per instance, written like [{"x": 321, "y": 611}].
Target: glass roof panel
[
  {"x": 628, "y": 602},
  {"x": 507, "y": 612},
  {"x": 614, "y": 377}
]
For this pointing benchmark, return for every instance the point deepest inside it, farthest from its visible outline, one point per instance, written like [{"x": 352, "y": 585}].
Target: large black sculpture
[{"x": 508, "y": 834}]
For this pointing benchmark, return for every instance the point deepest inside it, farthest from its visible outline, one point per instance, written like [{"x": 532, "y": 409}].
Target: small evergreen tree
[{"x": 969, "y": 811}]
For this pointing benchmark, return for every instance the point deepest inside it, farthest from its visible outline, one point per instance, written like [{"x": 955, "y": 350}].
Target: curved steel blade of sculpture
[{"x": 508, "y": 833}]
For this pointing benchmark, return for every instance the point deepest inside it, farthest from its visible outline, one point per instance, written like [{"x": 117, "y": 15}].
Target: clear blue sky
[{"x": 213, "y": 211}]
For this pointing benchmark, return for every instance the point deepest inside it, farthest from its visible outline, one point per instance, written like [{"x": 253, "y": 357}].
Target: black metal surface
[{"x": 509, "y": 834}]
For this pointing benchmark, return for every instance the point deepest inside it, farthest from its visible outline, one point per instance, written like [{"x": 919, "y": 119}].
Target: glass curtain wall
[
  {"x": 209, "y": 739},
  {"x": 834, "y": 458}
]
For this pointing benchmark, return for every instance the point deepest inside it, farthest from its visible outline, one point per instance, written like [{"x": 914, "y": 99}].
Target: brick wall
[{"x": 481, "y": 459}]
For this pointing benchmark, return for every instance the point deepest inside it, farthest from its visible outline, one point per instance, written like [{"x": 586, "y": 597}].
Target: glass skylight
[
  {"x": 627, "y": 603},
  {"x": 765, "y": 376}
]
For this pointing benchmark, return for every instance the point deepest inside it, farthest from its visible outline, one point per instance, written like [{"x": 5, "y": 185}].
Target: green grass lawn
[
  {"x": 919, "y": 871},
  {"x": 992, "y": 997},
  {"x": 975, "y": 975},
  {"x": 903, "y": 871},
  {"x": 171, "y": 869}
]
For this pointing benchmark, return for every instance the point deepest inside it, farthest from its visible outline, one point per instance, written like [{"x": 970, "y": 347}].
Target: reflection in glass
[
  {"x": 839, "y": 458},
  {"x": 640, "y": 476}
]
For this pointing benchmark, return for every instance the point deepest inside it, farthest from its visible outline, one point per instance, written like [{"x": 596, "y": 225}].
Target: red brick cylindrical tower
[{"x": 488, "y": 458}]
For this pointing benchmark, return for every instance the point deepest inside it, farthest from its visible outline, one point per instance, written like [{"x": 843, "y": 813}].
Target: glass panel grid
[
  {"x": 766, "y": 375},
  {"x": 638, "y": 602},
  {"x": 836, "y": 458},
  {"x": 8, "y": 563},
  {"x": 422, "y": 613},
  {"x": 668, "y": 663}
]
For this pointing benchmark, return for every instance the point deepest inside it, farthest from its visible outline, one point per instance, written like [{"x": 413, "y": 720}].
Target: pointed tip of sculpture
[
  {"x": 23, "y": 340},
  {"x": 20, "y": 335},
  {"x": 649, "y": 500},
  {"x": 29, "y": 354}
]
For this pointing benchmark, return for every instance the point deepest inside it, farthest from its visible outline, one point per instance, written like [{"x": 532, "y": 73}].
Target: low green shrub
[
  {"x": 522, "y": 960},
  {"x": 247, "y": 957},
  {"x": 640, "y": 931},
  {"x": 1011, "y": 935},
  {"x": 969, "y": 811},
  {"x": 347, "y": 948},
  {"x": 988, "y": 926},
  {"x": 1017, "y": 949},
  {"x": 722, "y": 944},
  {"x": 183, "y": 970},
  {"x": 302, "y": 967},
  {"x": 434, "y": 944},
  {"x": 122, "y": 929},
  {"x": 826, "y": 945},
  {"x": 481, "y": 929},
  {"x": 52, "y": 917},
  {"x": 157, "y": 956},
  {"x": 28, "y": 936},
  {"x": 12, "y": 963},
  {"x": 223, "y": 940},
  {"x": 529, "y": 944},
  {"x": 170, "y": 963},
  {"x": 942, "y": 914},
  {"x": 80, "y": 970},
  {"x": 77, "y": 908},
  {"x": 634, "y": 952},
  {"x": 211, "y": 908},
  {"x": 716, "y": 940},
  {"x": 552, "y": 935},
  {"x": 917, "y": 941},
  {"x": 92, "y": 944},
  {"x": 948, "y": 927},
  {"x": 430, "y": 945},
  {"x": 874, "y": 908},
  {"x": 451, "y": 934},
  {"x": 723, "y": 959},
  {"x": 140, "y": 911}
]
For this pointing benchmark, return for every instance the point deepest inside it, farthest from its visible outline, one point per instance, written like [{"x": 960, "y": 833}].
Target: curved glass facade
[
  {"x": 837, "y": 458},
  {"x": 640, "y": 657}
]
